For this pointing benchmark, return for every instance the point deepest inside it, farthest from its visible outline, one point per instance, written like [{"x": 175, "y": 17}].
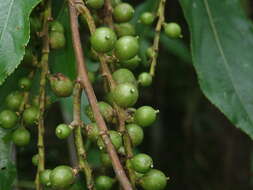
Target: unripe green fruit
[
  {"x": 115, "y": 2},
  {"x": 8, "y": 119},
  {"x": 92, "y": 131},
  {"x": 125, "y": 95},
  {"x": 62, "y": 177},
  {"x": 105, "y": 159},
  {"x": 31, "y": 116},
  {"x": 57, "y": 40},
  {"x": 14, "y": 100},
  {"x": 123, "y": 76},
  {"x": 92, "y": 77},
  {"x": 123, "y": 12},
  {"x": 150, "y": 52},
  {"x": 56, "y": 26},
  {"x": 61, "y": 85},
  {"x": 142, "y": 163},
  {"x": 63, "y": 131},
  {"x": 115, "y": 137},
  {"x": 131, "y": 63},
  {"x": 21, "y": 137},
  {"x": 172, "y": 30},
  {"x": 145, "y": 116},
  {"x": 45, "y": 177},
  {"x": 145, "y": 79},
  {"x": 153, "y": 180},
  {"x": 109, "y": 98},
  {"x": 104, "y": 183},
  {"x": 35, "y": 159},
  {"x": 124, "y": 29},
  {"x": 126, "y": 48},
  {"x": 95, "y": 4},
  {"x": 147, "y": 18},
  {"x": 103, "y": 40},
  {"x": 25, "y": 83},
  {"x": 136, "y": 134}
]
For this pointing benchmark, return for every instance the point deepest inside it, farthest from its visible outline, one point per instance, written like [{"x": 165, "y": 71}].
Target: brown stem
[
  {"x": 84, "y": 81},
  {"x": 108, "y": 13}
]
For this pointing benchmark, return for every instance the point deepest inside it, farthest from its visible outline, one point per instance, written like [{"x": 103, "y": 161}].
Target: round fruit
[
  {"x": 150, "y": 52},
  {"x": 115, "y": 2},
  {"x": 63, "y": 131},
  {"x": 153, "y": 180},
  {"x": 57, "y": 40},
  {"x": 131, "y": 63},
  {"x": 124, "y": 29},
  {"x": 103, "y": 40},
  {"x": 14, "y": 100},
  {"x": 8, "y": 119},
  {"x": 126, "y": 48},
  {"x": 25, "y": 83},
  {"x": 31, "y": 115},
  {"x": 45, "y": 177},
  {"x": 123, "y": 12},
  {"x": 136, "y": 134},
  {"x": 145, "y": 79},
  {"x": 115, "y": 137},
  {"x": 142, "y": 163},
  {"x": 172, "y": 30},
  {"x": 123, "y": 76},
  {"x": 35, "y": 159},
  {"x": 145, "y": 116},
  {"x": 95, "y": 4},
  {"x": 56, "y": 27},
  {"x": 104, "y": 183},
  {"x": 147, "y": 18},
  {"x": 125, "y": 95},
  {"x": 92, "y": 77},
  {"x": 92, "y": 131},
  {"x": 21, "y": 137},
  {"x": 61, "y": 85},
  {"x": 105, "y": 159},
  {"x": 109, "y": 98},
  {"x": 61, "y": 177}
]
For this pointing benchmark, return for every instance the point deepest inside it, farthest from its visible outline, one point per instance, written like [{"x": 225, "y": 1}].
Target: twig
[
  {"x": 108, "y": 13},
  {"x": 77, "y": 123},
  {"x": 161, "y": 18},
  {"x": 84, "y": 81}
]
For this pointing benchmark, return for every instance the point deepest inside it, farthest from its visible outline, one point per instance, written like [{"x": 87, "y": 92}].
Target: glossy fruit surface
[
  {"x": 92, "y": 131},
  {"x": 150, "y": 52},
  {"x": 63, "y": 131},
  {"x": 25, "y": 83},
  {"x": 104, "y": 183},
  {"x": 31, "y": 115},
  {"x": 61, "y": 177},
  {"x": 145, "y": 79},
  {"x": 56, "y": 26},
  {"x": 14, "y": 100},
  {"x": 8, "y": 119},
  {"x": 125, "y": 94},
  {"x": 147, "y": 18},
  {"x": 103, "y": 40},
  {"x": 45, "y": 177},
  {"x": 115, "y": 137},
  {"x": 126, "y": 48},
  {"x": 131, "y": 63},
  {"x": 123, "y": 12},
  {"x": 145, "y": 116},
  {"x": 61, "y": 85},
  {"x": 35, "y": 159},
  {"x": 142, "y": 163},
  {"x": 124, "y": 29},
  {"x": 57, "y": 40},
  {"x": 95, "y": 4},
  {"x": 136, "y": 134},
  {"x": 172, "y": 30},
  {"x": 21, "y": 137},
  {"x": 105, "y": 159},
  {"x": 154, "y": 180},
  {"x": 123, "y": 76}
]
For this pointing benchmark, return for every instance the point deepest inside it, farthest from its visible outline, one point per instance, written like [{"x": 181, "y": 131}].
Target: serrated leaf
[
  {"x": 222, "y": 43},
  {"x": 14, "y": 33}
]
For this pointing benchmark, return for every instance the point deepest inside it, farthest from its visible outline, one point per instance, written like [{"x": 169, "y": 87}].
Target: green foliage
[{"x": 7, "y": 176}]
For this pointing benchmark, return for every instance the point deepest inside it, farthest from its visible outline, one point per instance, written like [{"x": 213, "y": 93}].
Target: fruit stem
[
  {"x": 108, "y": 14},
  {"x": 160, "y": 22}
]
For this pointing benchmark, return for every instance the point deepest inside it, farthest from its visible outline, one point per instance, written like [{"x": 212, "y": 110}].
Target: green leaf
[
  {"x": 222, "y": 43},
  {"x": 14, "y": 33},
  {"x": 7, "y": 176}
]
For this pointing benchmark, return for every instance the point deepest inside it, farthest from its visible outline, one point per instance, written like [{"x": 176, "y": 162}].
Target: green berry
[
  {"x": 104, "y": 183},
  {"x": 95, "y": 4},
  {"x": 35, "y": 159},
  {"x": 131, "y": 63},
  {"x": 126, "y": 48},
  {"x": 145, "y": 79},
  {"x": 92, "y": 131},
  {"x": 63, "y": 131},
  {"x": 123, "y": 12},
  {"x": 142, "y": 163},
  {"x": 56, "y": 26},
  {"x": 14, "y": 100},
  {"x": 123, "y": 76},
  {"x": 8, "y": 119},
  {"x": 150, "y": 52},
  {"x": 109, "y": 98},
  {"x": 145, "y": 116},
  {"x": 61, "y": 85},
  {"x": 147, "y": 18},
  {"x": 153, "y": 180},
  {"x": 21, "y": 137},
  {"x": 92, "y": 77},
  {"x": 136, "y": 134},
  {"x": 124, "y": 29},
  {"x": 103, "y": 39},
  {"x": 45, "y": 177},
  {"x": 31, "y": 116},
  {"x": 25, "y": 83},
  {"x": 125, "y": 95},
  {"x": 62, "y": 177},
  {"x": 115, "y": 2},
  {"x": 105, "y": 159},
  {"x": 57, "y": 40},
  {"x": 115, "y": 137},
  {"x": 172, "y": 30}
]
